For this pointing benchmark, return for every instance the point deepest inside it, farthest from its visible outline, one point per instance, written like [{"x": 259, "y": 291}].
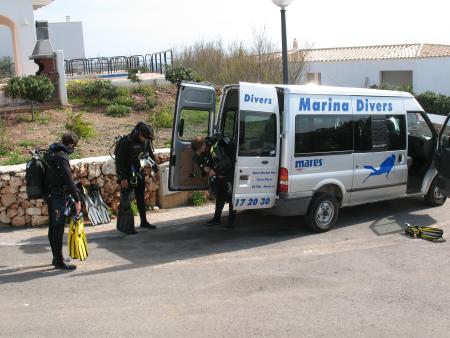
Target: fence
[
  {"x": 154, "y": 63},
  {"x": 6, "y": 68}
]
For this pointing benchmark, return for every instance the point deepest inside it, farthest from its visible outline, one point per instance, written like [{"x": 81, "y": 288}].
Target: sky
[{"x": 126, "y": 27}]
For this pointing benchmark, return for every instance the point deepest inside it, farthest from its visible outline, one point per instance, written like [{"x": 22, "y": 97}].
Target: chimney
[
  {"x": 295, "y": 45},
  {"x": 43, "y": 48},
  {"x": 67, "y": 18}
]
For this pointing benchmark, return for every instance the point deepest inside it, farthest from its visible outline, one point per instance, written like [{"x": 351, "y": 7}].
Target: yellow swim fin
[
  {"x": 71, "y": 241},
  {"x": 81, "y": 241}
]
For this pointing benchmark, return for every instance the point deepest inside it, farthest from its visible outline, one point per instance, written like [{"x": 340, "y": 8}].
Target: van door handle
[
  {"x": 400, "y": 158},
  {"x": 265, "y": 162},
  {"x": 244, "y": 178}
]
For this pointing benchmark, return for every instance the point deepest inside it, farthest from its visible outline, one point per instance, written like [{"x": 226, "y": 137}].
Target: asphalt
[{"x": 268, "y": 277}]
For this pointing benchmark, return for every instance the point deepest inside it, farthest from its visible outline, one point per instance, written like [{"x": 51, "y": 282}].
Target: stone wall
[{"x": 17, "y": 210}]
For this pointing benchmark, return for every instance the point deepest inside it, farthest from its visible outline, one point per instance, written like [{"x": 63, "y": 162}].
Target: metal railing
[{"x": 154, "y": 63}]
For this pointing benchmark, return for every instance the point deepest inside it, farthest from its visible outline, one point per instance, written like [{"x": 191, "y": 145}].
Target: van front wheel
[
  {"x": 434, "y": 197},
  {"x": 323, "y": 213}
]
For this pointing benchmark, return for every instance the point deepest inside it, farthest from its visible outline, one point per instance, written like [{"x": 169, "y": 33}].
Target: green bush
[
  {"x": 118, "y": 110},
  {"x": 124, "y": 101},
  {"x": 162, "y": 118},
  {"x": 176, "y": 74},
  {"x": 198, "y": 198},
  {"x": 77, "y": 124},
  {"x": 32, "y": 88},
  {"x": 123, "y": 91},
  {"x": 145, "y": 90},
  {"x": 92, "y": 92},
  {"x": 434, "y": 103},
  {"x": 133, "y": 76}
]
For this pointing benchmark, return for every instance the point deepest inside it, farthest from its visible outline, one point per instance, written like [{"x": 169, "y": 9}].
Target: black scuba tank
[{"x": 35, "y": 178}]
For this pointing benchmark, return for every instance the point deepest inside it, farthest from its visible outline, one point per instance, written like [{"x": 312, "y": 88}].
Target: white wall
[
  {"x": 67, "y": 36},
  {"x": 21, "y": 12},
  {"x": 428, "y": 74}
]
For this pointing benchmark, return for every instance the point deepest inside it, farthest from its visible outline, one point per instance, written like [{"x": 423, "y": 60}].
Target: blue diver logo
[{"x": 385, "y": 168}]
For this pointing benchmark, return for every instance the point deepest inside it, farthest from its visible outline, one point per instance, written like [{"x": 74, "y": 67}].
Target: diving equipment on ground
[{"x": 428, "y": 233}]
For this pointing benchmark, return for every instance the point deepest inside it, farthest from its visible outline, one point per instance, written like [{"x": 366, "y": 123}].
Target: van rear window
[{"x": 323, "y": 133}]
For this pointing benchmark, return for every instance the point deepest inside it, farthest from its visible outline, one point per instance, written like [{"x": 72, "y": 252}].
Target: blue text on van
[
  {"x": 306, "y": 104},
  {"x": 257, "y": 99},
  {"x": 302, "y": 164}
]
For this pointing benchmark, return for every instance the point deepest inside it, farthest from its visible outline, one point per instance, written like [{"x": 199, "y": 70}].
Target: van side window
[
  {"x": 396, "y": 132},
  {"x": 379, "y": 133},
  {"x": 323, "y": 133},
  {"x": 363, "y": 133},
  {"x": 257, "y": 134}
]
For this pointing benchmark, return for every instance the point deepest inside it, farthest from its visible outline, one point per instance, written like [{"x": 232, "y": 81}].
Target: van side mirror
[{"x": 181, "y": 128}]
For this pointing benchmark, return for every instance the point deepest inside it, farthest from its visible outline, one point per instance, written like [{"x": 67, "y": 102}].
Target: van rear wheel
[
  {"x": 323, "y": 213},
  {"x": 434, "y": 197}
]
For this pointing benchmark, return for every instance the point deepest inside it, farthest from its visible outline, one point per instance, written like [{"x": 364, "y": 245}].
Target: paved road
[{"x": 269, "y": 277}]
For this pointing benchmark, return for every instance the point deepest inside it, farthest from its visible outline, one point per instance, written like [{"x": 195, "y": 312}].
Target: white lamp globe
[{"x": 282, "y": 3}]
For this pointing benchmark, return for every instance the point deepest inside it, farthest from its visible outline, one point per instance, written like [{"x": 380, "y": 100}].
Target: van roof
[{"x": 325, "y": 90}]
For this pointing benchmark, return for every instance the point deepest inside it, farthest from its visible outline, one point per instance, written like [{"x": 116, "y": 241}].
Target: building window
[
  {"x": 397, "y": 78},
  {"x": 315, "y": 78}
]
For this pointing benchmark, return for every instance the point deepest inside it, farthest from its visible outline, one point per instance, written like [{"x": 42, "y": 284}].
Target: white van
[{"x": 309, "y": 150}]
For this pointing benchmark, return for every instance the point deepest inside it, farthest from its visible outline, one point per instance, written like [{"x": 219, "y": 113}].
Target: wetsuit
[
  {"x": 60, "y": 187},
  {"x": 128, "y": 166}
]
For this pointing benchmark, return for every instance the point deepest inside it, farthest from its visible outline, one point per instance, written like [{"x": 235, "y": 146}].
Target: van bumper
[{"x": 289, "y": 205}]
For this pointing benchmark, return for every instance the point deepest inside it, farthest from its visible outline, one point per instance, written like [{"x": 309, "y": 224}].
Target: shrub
[
  {"x": 145, "y": 90},
  {"x": 118, "y": 110},
  {"x": 123, "y": 91},
  {"x": 76, "y": 123},
  {"x": 92, "y": 92},
  {"x": 124, "y": 101},
  {"x": 198, "y": 198},
  {"x": 176, "y": 74},
  {"x": 134, "y": 76},
  {"x": 434, "y": 103},
  {"x": 32, "y": 88},
  {"x": 162, "y": 118}
]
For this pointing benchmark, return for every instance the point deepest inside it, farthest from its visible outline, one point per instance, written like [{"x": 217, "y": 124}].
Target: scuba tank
[{"x": 35, "y": 177}]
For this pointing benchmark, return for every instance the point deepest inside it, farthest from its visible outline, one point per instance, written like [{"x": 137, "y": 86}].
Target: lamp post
[{"x": 283, "y": 4}]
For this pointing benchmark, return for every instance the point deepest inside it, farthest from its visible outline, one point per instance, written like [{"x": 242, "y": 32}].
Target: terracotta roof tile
[{"x": 406, "y": 51}]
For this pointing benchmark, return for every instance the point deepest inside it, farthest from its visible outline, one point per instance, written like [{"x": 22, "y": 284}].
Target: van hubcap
[
  {"x": 437, "y": 194},
  {"x": 324, "y": 214}
]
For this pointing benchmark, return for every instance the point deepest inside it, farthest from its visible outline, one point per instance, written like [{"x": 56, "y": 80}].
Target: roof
[
  {"x": 386, "y": 52},
  {"x": 40, "y": 3}
]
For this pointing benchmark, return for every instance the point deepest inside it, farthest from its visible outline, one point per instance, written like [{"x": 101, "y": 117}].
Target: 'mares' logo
[
  {"x": 304, "y": 164},
  {"x": 257, "y": 99}
]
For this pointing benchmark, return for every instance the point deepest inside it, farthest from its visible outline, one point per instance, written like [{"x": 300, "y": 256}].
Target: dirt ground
[{"x": 23, "y": 135}]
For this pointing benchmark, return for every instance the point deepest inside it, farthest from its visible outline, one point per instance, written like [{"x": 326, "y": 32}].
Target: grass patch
[
  {"x": 198, "y": 198},
  {"x": 161, "y": 118},
  {"x": 28, "y": 143},
  {"x": 15, "y": 157}
]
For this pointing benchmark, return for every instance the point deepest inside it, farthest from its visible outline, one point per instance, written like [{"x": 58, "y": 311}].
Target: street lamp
[{"x": 283, "y": 4}]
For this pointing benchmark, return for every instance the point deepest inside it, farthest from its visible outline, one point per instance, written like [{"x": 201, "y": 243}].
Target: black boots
[
  {"x": 62, "y": 264},
  {"x": 147, "y": 225}
]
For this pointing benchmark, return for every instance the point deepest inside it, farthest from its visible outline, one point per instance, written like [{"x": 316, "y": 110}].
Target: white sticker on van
[{"x": 257, "y": 97}]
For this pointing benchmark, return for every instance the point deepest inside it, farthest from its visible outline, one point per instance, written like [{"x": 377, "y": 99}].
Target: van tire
[
  {"x": 434, "y": 197},
  {"x": 323, "y": 213}
]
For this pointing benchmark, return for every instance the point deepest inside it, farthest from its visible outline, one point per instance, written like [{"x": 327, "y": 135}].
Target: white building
[
  {"x": 68, "y": 37},
  {"x": 18, "y": 17},
  {"x": 426, "y": 67}
]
